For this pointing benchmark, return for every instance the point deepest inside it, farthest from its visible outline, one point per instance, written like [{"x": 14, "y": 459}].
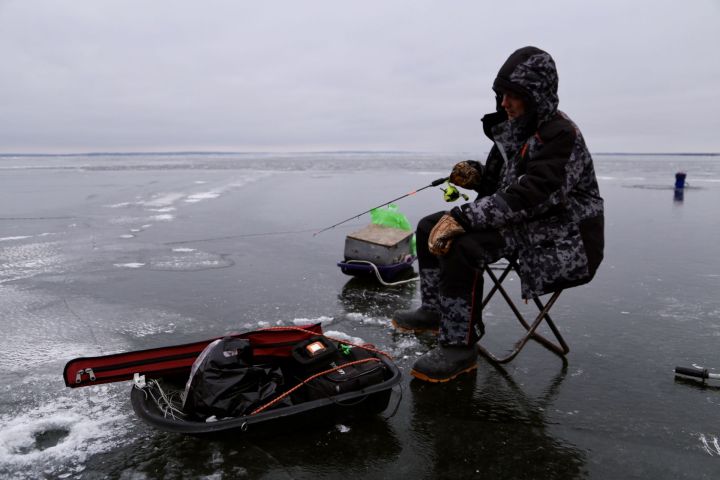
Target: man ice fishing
[{"x": 538, "y": 200}]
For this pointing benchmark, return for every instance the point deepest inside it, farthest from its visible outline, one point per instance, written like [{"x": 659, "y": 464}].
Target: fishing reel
[{"x": 451, "y": 193}]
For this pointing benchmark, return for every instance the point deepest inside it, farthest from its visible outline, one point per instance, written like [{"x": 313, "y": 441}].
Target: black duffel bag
[
  {"x": 223, "y": 381},
  {"x": 319, "y": 354}
]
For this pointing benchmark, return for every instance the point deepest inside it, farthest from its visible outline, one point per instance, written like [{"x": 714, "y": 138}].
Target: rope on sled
[
  {"x": 309, "y": 379},
  {"x": 299, "y": 329},
  {"x": 165, "y": 402},
  {"x": 379, "y": 277}
]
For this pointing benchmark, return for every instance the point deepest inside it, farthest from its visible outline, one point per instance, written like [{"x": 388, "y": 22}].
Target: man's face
[{"x": 513, "y": 105}]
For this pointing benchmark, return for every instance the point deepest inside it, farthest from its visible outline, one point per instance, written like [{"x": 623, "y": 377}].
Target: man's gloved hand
[
  {"x": 442, "y": 234},
  {"x": 467, "y": 174}
]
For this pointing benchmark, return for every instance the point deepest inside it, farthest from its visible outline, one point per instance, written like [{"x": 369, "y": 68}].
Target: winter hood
[{"x": 530, "y": 73}]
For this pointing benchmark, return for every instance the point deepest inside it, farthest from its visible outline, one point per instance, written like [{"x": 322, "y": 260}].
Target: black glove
[{"x": 467, "y": 174}]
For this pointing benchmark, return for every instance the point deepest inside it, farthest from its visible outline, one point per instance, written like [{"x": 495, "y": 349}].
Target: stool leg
[
  {"x": 496, "y": 282},
  {"x": 561, "y": 348}
]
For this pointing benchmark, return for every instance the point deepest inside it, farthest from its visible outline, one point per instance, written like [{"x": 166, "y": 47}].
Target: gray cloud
[{"x": 83, "y": 75}]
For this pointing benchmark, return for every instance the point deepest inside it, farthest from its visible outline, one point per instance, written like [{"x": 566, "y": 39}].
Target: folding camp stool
[{"x": 560, "y": 348}]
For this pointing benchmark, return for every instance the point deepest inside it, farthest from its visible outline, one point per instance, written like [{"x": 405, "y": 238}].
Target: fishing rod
[
  {"x": 435, "y": 183},
  {"x": 696, "y": 372}
]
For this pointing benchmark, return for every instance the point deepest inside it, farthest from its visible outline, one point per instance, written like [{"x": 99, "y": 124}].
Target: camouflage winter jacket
[{"x": 539, "y": 187}]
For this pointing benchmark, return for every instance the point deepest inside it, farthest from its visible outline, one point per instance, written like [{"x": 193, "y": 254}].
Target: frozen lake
[{"x": 110, "y": 253}]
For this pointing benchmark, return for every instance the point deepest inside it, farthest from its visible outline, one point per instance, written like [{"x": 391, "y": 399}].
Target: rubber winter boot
[
  {"x": 444, "y": 363},
  {"x": 418, "y": 320}
]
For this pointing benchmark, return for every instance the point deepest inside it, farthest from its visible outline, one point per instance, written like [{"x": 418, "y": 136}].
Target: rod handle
[
  {"x": 439, "y": 181},
  {"x": 692, "y": 372}
]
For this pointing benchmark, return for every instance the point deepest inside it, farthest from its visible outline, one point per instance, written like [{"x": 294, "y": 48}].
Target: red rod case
[{"x": 266, "y": 343}]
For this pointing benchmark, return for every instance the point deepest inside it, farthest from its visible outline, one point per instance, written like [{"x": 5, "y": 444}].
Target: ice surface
[
  {"x": 29, "y": 260},
  {"x": 90, "y": 292},
  {"x": 188, "y": 260},
  {"x": 58, "y": 437}
]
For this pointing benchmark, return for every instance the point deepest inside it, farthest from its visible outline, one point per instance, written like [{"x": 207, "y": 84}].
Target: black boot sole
[{"x": 413, "y": 330}]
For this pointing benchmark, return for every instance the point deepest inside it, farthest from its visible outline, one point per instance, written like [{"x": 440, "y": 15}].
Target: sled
[
  {"x": 159, "y": 377},
  {"x": 387, "y": 273},
  {"x": 371, "y": 400}
]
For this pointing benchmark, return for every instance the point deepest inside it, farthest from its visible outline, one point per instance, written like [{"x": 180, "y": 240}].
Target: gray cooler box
[{"x": 379, "y": 245}]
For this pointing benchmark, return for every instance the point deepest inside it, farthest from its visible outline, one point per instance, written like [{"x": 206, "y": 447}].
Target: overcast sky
[{"x": 297, "y": 75}]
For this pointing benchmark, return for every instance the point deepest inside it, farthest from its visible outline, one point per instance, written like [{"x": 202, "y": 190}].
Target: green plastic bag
[{"x": 390, "y": 216}]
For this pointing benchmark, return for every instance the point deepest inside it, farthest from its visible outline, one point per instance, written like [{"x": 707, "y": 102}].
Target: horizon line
[{"x": 260, "y": 152}]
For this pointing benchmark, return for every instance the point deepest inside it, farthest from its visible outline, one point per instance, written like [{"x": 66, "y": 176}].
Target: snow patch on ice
[
  {"x": 342, "y": 336},
  {"x": 199, "y": 197},
  {"x": 129, "y": 265},
  {"x": 163, "y": 209},
  {"x": 405, "y": 346},
  {"x": 25, "y": 237},
  {"x": 20, "y": 237},
  {"x": 163, "y": 200},
  {"x": 300, "y": 322},
  {"x": 366, "y": 320}
]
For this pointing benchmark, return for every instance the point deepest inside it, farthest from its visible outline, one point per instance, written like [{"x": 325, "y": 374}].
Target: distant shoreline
[
  {"x": 656, "y": 154},
  {"x": 331, "y": 152}
]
